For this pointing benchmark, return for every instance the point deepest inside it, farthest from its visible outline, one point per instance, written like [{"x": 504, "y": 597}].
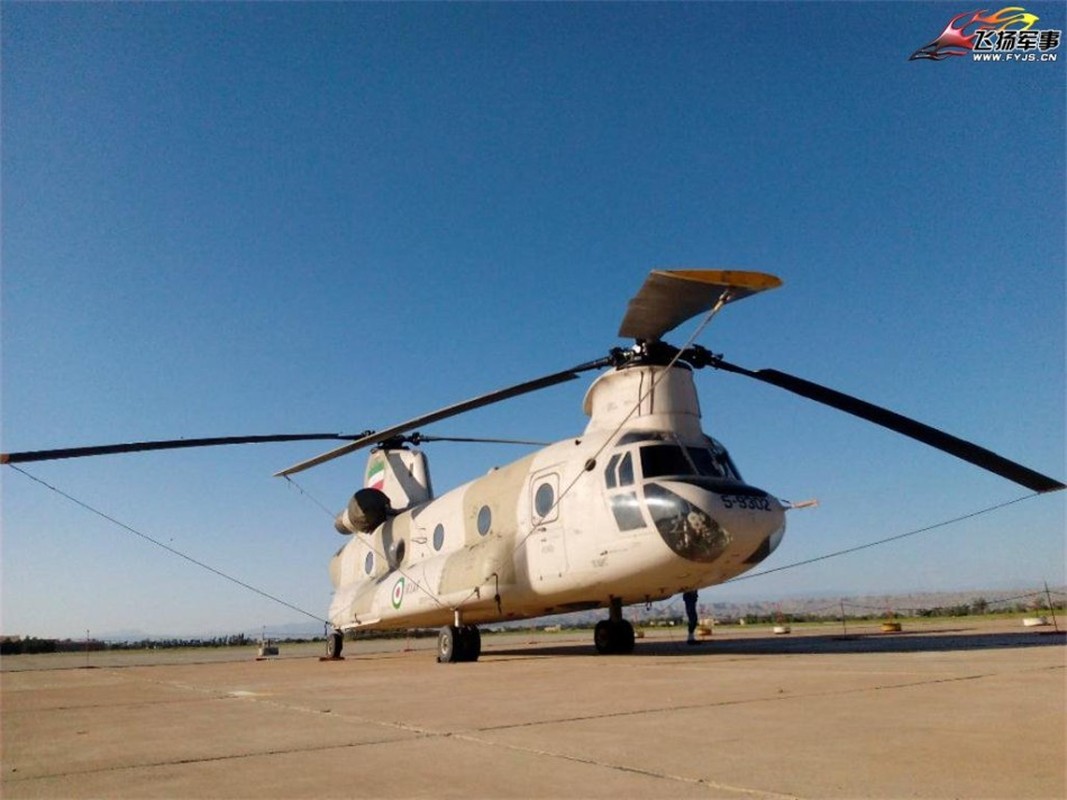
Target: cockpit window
[
  {"x": 710, "y": 463},
  {"x": 722, "y": 458},
  {"x": 704, "y": 462},
  {"x": 664, "y": 459},
  {"x": 659, "y": 460},
  {"x": 627, "y": 510},
  {"x": 620, "y": 471},
  {"x": 641, "y": 436},
  {"x": 609, "y": 472}
]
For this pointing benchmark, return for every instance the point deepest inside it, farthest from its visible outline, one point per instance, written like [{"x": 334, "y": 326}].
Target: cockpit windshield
[
  {"x": 659, "y": 460},
  {"x": 665, "y": 459}
]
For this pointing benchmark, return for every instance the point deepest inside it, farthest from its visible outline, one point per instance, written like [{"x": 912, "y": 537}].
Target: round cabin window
[
  {"x": 544, "y": 499},
  {"x": 368, "y": 565},
  {"x": 438, "y": 537},
  {"x": 485, "y": 520}
]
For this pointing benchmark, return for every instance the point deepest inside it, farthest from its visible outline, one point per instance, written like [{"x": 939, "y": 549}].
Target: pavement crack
[
  {"x": 648, "y": 773},
  {"x": 725, "y": 703},
  {"x": 172, "y": 762}
]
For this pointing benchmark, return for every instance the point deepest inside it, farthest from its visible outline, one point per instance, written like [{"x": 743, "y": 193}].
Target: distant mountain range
[
  {"x": 906, "y": 604},
  {"x": 293, "y": 630}
]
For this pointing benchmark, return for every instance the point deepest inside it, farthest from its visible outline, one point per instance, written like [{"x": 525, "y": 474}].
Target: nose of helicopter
[{"x": 701, "y": 521}]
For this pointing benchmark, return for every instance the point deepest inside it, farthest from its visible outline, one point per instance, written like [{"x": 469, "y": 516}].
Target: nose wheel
[
  {"x": 613, "y": 638},
  {"x": 614, "y": 635}
]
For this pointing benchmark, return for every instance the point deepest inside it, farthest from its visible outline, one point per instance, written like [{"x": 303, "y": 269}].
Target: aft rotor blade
[
  {"x": 450, "y": 411},
  {"x": 968, "y": 451},
  {"x": 170, "y": 444}
]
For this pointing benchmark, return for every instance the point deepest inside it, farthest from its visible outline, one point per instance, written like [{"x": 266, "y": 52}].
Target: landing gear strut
[
  {"x": 614, "y": 635},
  {"x": 458, "y": 643}
]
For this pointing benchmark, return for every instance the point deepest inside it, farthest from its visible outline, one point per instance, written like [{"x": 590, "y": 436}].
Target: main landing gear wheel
[
  {"x": 458, "y": 644},
  {"x": 335, "y": 643},
  {"x": 473, "y": 643},
  {"x": 614, "y": 637}
]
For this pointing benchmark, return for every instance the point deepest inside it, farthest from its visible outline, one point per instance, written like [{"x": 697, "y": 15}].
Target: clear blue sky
[{"x": 225, "y": 219}]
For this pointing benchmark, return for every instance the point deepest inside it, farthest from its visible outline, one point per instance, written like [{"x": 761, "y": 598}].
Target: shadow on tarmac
[{"x": 925, "y": 642}]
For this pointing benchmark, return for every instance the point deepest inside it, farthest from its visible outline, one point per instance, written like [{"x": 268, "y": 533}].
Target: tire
[
  {"x": 335, "y": 643},
  {"x": 603, "y": 638},
  {"x": 449, "y": 645},
  {"x": 472, "y": 642},
  {"x": 613, "y": 638}
]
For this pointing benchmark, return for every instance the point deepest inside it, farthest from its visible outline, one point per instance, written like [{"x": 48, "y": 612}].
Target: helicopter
[{"x": 641, "y": 506}]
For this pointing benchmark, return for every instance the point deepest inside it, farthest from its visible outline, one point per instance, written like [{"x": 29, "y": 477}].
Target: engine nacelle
[{"x": 367, "y": 509}]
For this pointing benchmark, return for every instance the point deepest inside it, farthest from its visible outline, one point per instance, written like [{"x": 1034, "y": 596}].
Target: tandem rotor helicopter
[{"x": 641, "y": 506}]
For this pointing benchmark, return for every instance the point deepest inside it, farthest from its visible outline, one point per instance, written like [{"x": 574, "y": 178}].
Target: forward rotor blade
[
  {"x": 968, "y": 451},
  {"x": 450, "y": 411},
  {"x": 170, "y": 444},
  {"x": 670, "y": 297}
]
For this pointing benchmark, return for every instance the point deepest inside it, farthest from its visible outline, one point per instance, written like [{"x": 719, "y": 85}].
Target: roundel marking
[{"x": 398, "y": 593}]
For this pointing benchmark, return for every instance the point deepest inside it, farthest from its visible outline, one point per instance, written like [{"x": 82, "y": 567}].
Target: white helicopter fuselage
[{"x": 642, "y": 506}]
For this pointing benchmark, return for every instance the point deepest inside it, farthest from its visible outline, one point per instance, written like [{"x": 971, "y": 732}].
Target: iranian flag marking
[
  {"x": 398, "y": 593},
  {"x": 376, "y": 475}
]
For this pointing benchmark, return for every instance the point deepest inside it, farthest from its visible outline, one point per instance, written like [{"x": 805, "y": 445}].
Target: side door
[{"x": 549, "y": 550}]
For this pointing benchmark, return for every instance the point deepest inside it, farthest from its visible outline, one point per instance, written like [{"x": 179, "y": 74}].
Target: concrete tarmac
[{"x": 974, "y": 710}]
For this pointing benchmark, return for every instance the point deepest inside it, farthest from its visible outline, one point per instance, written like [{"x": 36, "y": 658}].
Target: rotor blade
[
  {"x": 444, "y": 413},
  {"x": 670, "y": 297},
  {"x": 171, "y": 444},
  {"x": 478, "y": 440},
  {"x": 968, "y": 451}
]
